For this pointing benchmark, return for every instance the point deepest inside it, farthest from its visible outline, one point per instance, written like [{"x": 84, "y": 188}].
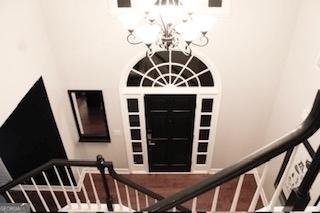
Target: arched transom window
[{"x": 170, "y": 69}]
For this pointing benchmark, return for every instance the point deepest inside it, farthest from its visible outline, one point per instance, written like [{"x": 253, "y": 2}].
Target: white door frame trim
[{"x": 139, "y": 92}]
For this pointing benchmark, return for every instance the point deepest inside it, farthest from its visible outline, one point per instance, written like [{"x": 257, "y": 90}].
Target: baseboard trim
[{"x": 93, "y": 170}]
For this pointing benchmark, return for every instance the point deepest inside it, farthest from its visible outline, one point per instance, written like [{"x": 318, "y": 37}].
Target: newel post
[
  {"x": 101, "y": 167},
  {"x": 300, "y": 197}
]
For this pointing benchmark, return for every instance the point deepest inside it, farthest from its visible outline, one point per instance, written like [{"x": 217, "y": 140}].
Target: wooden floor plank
[{"x": 163, "y": 184}]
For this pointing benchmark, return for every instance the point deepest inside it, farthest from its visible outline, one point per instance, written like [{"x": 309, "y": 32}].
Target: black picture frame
[
  {"x": 284, "y": 164},
  {"x": 85, "y": 137}
]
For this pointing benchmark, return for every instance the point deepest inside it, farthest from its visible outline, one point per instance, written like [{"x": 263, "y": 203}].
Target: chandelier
[{"x": 167, "y": 25}]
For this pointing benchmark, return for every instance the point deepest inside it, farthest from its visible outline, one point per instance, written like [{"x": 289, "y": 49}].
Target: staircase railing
[
  {"x": 137, "y": 188},
  {"x": 66, "y": 195},
  {"x": 299, "y": 198}
]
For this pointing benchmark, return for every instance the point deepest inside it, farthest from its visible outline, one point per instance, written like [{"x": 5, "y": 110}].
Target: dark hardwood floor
[
  {"x": 163, "y": 184},
  {"x": 169, "y": 184}
]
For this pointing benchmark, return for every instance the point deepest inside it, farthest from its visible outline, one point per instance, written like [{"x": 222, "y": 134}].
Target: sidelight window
[
  {"x": 204, "y": 130},
  {"x": 135, "y": 130}
]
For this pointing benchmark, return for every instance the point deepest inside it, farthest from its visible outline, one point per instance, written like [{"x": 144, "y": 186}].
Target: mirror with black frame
[{"x": 89, "y": 114}]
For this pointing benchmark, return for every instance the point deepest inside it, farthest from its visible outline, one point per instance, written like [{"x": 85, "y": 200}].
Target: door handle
[
  {"x": 149, "y": 137},
  {"x": 150, "y": 143}
]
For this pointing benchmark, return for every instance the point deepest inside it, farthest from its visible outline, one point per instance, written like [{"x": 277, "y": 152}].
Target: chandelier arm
[
  {"x": 173, "y": 30},
  {"x": 175, "y": 41},
  {"x": 131, "y": 39},
  {"x": 187, "y": 51},
  {"x": 206, "y": 41},
  {"x": 149, "y": 52},
  {"x": 169, "y": 36},
  {"x": 156, "y": 23},
  {"x": 165, "y": 27}
]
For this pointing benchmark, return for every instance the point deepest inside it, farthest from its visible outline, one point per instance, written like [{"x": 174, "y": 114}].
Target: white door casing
[{"x": 166, "y": 83}]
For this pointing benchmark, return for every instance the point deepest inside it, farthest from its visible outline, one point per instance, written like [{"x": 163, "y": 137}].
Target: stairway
[{"x": 102, "y": 189}]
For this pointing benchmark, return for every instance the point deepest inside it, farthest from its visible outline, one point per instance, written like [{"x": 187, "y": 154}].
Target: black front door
[{"x": 169, "y": 120}]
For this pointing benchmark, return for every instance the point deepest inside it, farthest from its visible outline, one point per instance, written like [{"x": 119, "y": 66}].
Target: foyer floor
[
  {"x": 168, "y": 184},
  {"x": 163, "y": 184}
]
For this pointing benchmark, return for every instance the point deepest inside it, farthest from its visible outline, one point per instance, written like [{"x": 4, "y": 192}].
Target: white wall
[
  {"x": 86, "y": 49},
  {"x": 25, "y": 55},
  {"x": 248, "y": 47},
  {"x": 86, "y": 42},
  {"x": 300, "y": 80},
  {"x": 76, "y": 44}
]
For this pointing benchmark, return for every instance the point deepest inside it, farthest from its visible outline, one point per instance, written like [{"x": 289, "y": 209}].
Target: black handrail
[
  {"x": 99, "y": 164},
  {"x": 138, "y": 187},
  {"x": 299, "y": 135},
  {"x": 48, "y": 165}
]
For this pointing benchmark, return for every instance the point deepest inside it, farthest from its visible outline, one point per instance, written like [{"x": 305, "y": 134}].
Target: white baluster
[
  {"x": 40, "y": 196},
  {"x": 62, "y": 186},
  {"x": 215, "y": 199},
  {"x": 9, "y": 196},
  {"x": 27, "y": 198},
  {"x": 194, "y": 205},
  {"x": 174, "y": 209},
  {"x": 118, "y": 194},
  {"x": 94, "y": 191},
  {"x": 137, "y": 200},
  {"x": 278, "y": 190},
  {"x": 237, "y": 194},
  {"x": 51, "y": 191},
  {"x": 128, "y": 197},
  {"x": 259, "y": 187},
  {"x": 72, "y": 187},
  {"x": 84, "y": 189},
  {"x": 147, "y": 201}
]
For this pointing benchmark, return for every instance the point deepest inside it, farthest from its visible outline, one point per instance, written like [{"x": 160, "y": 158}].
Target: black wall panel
[{"x": 29, "y": 137}]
